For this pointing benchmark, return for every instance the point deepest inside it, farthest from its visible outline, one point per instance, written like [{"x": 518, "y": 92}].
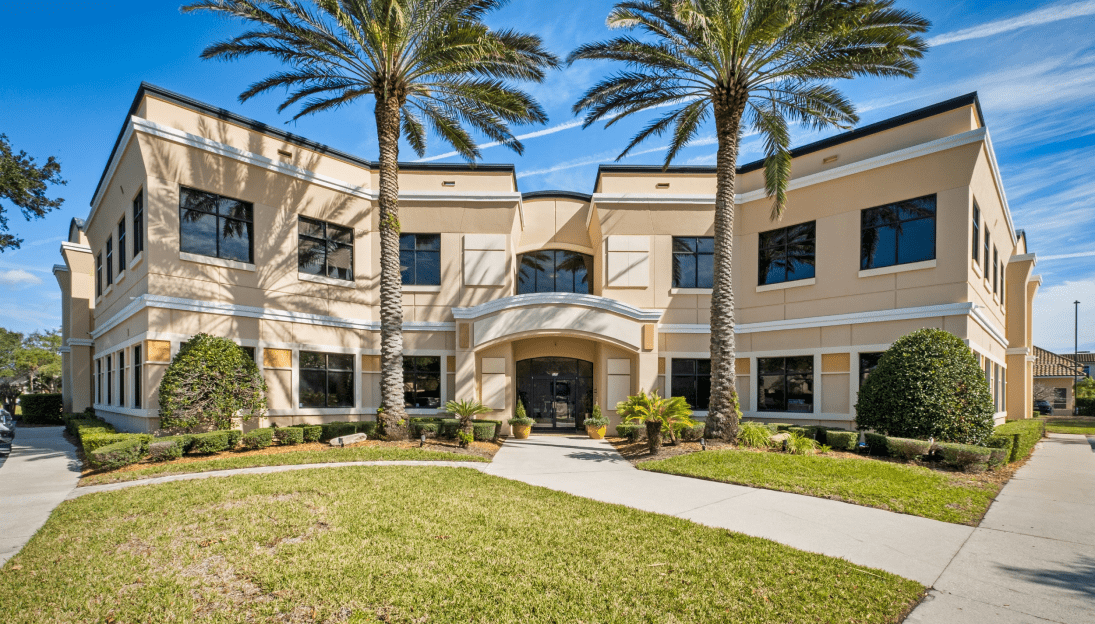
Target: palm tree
[
  {"x": 465, "y": 411},
  {"x": 425, "y": 62},
  {"x": 739, "y": 63}
]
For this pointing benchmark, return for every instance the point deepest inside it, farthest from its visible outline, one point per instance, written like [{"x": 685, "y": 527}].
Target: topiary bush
[
  {"x": 876, "y": 444},
  {"x": 289, "y": 436},
  {"x": 906, "y": 449},
  {"x": 965, "y": 457},
  {"x": 842, "y": 440},
  {"x": 927, "y": 385},
  {"x": 259, "y": 438},
  {"x": 209, "y": 443},
  {"x": 41, "y": 409},
  {"x": 164, "y": 450},
  {"x": 129, "y": 450},
  {"x": 210, "y": 381}
]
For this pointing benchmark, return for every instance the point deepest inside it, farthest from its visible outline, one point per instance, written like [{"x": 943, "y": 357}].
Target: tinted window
[
  {"x": 215, "y": 226},
  {"x": 554, "y": 270},
  {"x": 420, "y": 259},
  {"x": 787, "y": 254},
  {"x": 693, "y": 262},
  {"x": 121, "y": 246},
  {"x": 99, "y": 275},
  {"x": 976, "y": 232},
  {"x": 138, "y": 223},
  {"x": 326, "y": 379},
  {"x": 137, "y": 361},
  {"x": 109, "y": 261},
  {"x": 898, "y": 233},
  {"x": 867, "y": 363},
  {"x": 692, "y": 380},
  {"x": 422, "y": 381},
  {"x": 325, "y": 249},
  {"x": 785, "y": 384}
]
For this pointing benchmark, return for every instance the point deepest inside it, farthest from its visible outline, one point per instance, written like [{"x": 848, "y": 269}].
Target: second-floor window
[
  {"x": 995, "y": 270},
  {"x": 693, "y": 262},
  {"x": 976, "y": 232},
  {"x": 138, "y": 223},
  {"x": 99, "y": 275},
  {"x": 325, "y": 249},
  {"x": 788, "y": 254},
  {"x": 121, "y": 246},
  {"x": 899, "y": 233},
  {"x": 420, "y": 259},
  {"x": 554, "y": 270},
  {"x": 692, "y": 380},
  {"x": 109, "y": 261},
  {"x": 988, "y": 245},
  {"x": 215, "y": 226},
  {"x": 326, "y": 379},
  {"x": 422, "y": 381}
]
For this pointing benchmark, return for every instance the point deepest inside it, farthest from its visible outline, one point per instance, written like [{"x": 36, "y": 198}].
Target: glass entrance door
[{"x": 557, "y": 392}]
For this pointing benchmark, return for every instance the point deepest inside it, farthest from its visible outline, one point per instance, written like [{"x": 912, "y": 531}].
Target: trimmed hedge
[
  {"x": 876, "y": 443},
  {"x": 1086, "y": 406},
  {"x": 483, "y": 431},
  {"x": 781, "y": 426},
  {"x": 331, "y": 430},
  {"x": 799, "y": 430},
  {"x": 418, "y": 426},
  {"x": 631, "y": 432},
  {"x": 691, "y": 434},
  {"x": 121, "y": 453},
  {"x": 289, "y": 436},
  {"x": 449, "y": 427},
  {"x": 1024, "y": 433},
  {"x": 259, "y": 438},
  {"x": 1001, "y": 446},
  {"x": 842, "y": 440},
  {"x": 212, "y": 442},
  {"x": 312, "y": 433},
  {"x": 965, "y": 457},
  {"x": 184, "y": 440},
  {"x": 41, "y": 409},
  {"x": 907, "y": 449},
  {"x": 164, "y": 449}
]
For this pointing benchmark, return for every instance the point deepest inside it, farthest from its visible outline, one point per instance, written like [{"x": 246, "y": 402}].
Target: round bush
[
  {"x": 927, "y": 385},
  {"x": 258, "y": 438},
  {"x": 289, "y": 436},
  {"x": 210, "y": 381}
]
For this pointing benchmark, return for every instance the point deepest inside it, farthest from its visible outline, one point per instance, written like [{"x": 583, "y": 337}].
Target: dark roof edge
[
  {"x": 654, "y": 168},
  {"x": 557, "y": 194},
  {"x": 420, "y": 166}
]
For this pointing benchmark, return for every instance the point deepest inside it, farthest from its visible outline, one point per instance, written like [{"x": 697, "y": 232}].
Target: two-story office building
[{"x": 205, "y": 221}]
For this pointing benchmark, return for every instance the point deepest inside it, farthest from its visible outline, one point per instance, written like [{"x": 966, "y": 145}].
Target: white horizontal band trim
[
  {"x": 654, "y": 198},
  {"x": 1019, "y": 351},
  {"x": 1023, "y": 257},
  {"x": 64, "y": 350},
  {"x": 987, "y": 324},
  {"x": 690, "y": 291},
  {"x": 508, "y": 197},
  {"x": 124, "y": 411},
  {"x": 330, "y": 281},
  {"x": 80, "y": 342},
  {"x": 67, "y": 246},
  {"x": 217, "y": 262},
  {"x": 545, "y": 299},
  {"x": 898, "y": 268},
  {"x": 415, "y": 288},
  {"x": 785, "y": 285},
  {"x": 60, "y": 267},
  {"x": 266, "y": 314}
]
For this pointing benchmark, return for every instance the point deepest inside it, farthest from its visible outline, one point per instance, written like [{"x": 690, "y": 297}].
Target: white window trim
[
  {"x": 898, "y": 268},
  {"x": 785, "y": 285},
  {"x": 421, "y": 288},
  {"x": 322, "y": 279},
  {"x": 217, "y": 262},
  {"x": 137, "y": 259},
  {"x": 691, "y": 291}
]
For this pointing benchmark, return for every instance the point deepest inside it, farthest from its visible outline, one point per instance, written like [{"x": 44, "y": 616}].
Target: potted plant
[
  {"x": 596, "y": 424},
  {"x": 466, "y": 411},
  {"x": 660, "y": 415},
  {"x": 521, "y": 423}
]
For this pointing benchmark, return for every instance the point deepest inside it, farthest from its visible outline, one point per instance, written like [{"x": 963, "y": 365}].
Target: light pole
[{"x": 1075, "y": 357}]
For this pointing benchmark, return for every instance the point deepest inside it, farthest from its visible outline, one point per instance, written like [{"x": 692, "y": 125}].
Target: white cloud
[
  {"x": 1082, "y": 254},
  {"x": 1054, "y": 315},
  {"x": 1045, "y": 15},
  {"x": 18, "y": 278},
  {"x": 531, "y": 135}
]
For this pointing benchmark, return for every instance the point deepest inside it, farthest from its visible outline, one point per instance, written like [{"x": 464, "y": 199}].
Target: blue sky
[{"x": 72, "y": 67}]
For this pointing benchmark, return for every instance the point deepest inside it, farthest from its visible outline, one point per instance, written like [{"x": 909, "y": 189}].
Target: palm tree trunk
[
  {"x": 722, "y": 417},
  {"x": 392, "y": 423}
]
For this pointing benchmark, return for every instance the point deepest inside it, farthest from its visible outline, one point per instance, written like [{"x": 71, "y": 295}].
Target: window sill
[
  {"x": 976, "y": 268},
  {"x": 691, "y": 291},
  {"x": 136, "y": 260},
  {"x": 898, "y": 268},
  {"x": 785, "y": 285},
  {"x": 106, "y": 293},
  {"x": 217, "y": 262},
  {"x": 119, "y": 277},
  {"x": 415, "y": 288},
  {"x": 330, "y": 281}
]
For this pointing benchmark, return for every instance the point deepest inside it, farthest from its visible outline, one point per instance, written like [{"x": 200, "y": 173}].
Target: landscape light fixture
[
  {"x": 422, "y": 442},
  {"x": 703, "y": 444}
]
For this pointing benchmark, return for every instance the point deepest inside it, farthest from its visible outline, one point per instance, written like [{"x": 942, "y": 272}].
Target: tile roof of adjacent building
[
  {"x": 1049, "y": 364},
  {"x": 1083, "y": 357}
]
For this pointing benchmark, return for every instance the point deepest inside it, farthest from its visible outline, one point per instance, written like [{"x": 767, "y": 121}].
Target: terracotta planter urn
[
  {"x": 521, "y": 431},
  {"x": 596, "y": 433}
]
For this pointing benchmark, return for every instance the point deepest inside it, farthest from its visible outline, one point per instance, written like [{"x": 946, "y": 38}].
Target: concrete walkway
[
  {"x": 40, "y": 472},
  {"x": 1032, "y": 559}
]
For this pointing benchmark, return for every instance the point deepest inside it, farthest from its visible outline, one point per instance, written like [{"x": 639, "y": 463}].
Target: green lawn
[
  {"x": 414, "y": 544},
  {"x": 886, "y": 485},
  {"x": 1083, "y": 425},
  {"x": 325, "y": 456}
]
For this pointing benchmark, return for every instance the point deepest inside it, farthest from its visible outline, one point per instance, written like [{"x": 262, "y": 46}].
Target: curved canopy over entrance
[{"x": 557, "y": 392}]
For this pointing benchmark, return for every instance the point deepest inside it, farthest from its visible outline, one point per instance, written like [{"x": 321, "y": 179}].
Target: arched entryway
[{"x": 557, "y": 392}]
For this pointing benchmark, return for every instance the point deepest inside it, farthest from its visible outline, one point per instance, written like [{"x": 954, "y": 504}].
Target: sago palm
[
  {"x": 739, "y": 64},
  {"x": 465, "y": 411},
  {"x": 426, "y": 63}
]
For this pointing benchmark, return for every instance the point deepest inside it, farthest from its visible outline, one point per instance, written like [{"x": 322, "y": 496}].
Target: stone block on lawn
[{"x": 349, "y": 439}]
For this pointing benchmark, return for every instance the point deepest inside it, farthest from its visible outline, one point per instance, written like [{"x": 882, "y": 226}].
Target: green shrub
[
  {"x": 597, "y": 418},
  {"x": 121, "y": 453},
  {"x": 41, "y": 409},
  {"x": 906, "y": 449},
  {"x": 965, "y": 457},
  {"x": 312, "y": 433},
  {"x": 816, "y": 432},
  {"x": 449, "y": 427},
  {"x": 209, "y": 443},
  {"x": 432, "y": 425},
  {"x": 799, "y": 430},
  {"x": 289, "y": 436},
  {"x": 1024, "y": 433},
  {"x": 630, "y": 432},
  {"x": 184, "y": 440},
  {"x": 76, "y": 424},
  {"x": 876, "y": 443},
  {"x": 464, "y": 438},
  {"x": 842, "y": 440},
  {"x": 162, "y": 450},
  {"x": 690, "y": 434},
  {"x": 234, "y": 436},
  {"x": 798, "y": 444},
  {"x": 1001, "y": 446},
  {"x": 927, "y": 385},
  {"x": 484, "y": 430},
  {"x": 259, "y": 438},
  {"x": 754, "y": 435},
  {"x": 520, "y": 417},
  {"x": 368, "y": 427},
  {"x": 337, "y": 429},
  {"x": 1086, "y": 406},
  {"x": 781, "y": 426},
  {"x": 209, "y": 381}
]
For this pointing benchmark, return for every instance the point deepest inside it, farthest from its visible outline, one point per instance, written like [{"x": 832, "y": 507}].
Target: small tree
[
  {"x": 209, "y": 382},
  {"x": 661, "y": 415},
  {"x": 1085, "y": 388},
  {"x": 927, "y": 385},
  {"x": 465, "y": 411}
]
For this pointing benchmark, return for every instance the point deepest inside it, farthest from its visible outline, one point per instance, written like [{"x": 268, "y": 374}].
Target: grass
[
  {"x": 415, "y": 544},
  {"x": 886, "y": 485},
  {"x": 1083, "y": 425},
  {"x": 229, "y": 461}
]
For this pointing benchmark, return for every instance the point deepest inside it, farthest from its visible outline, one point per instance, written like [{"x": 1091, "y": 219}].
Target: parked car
[
  {"x": 1043, "y": 407},
  {"x": 7, "y": 432}
]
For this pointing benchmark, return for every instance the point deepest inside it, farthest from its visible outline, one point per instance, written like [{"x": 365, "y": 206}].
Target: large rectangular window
[
  {"x": 899, "y": 233},
  {"x": 995, "y": 270},
  {"x": 554, "y": 270},
  {"x": 422, "y": 381},
  {"x": 121, "y": 378},
  {"x": 787, "y": 254},
  {"x": 137, "y": 376},
  {"x": 867, "y": 363},
  {"x": 99, "y": 274},
  {"x": 1060, "y": 398},
  {"x": 99, "y": 380},
  {"x": 109, "y": 261},
  {"x": 215, "y": 226},
  {"x": 138, "y": 223},
  {"x": 109, "y": 381},
  {"x": 692, "y": 380},
  {"x": 121, "y": 246},
  {"x": 785, "y": 384},
  {"x": 325, "y": 249},
  {"x": 976, "y": 232},
  {"x": 326, "y": 379},
  {"x": 987, "y": 247},
  {"x": 693, "y": 262},
  {"x": 420, "y": 259}
]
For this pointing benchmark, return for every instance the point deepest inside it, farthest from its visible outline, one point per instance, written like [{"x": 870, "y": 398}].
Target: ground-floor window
[
  {"x": 785, "y": 384},
  {"x": 109, "y": 380},
  {"x": 422, "y": 381},
  {"x": 326, "y": 379},
  {"x": 137, "y": 376},
  {"x": 867, "y": 363},
  {"x": 692, "y": 380},
  {"x": 1060, "y": 398},
  {"x": 121, "y": 378}
]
